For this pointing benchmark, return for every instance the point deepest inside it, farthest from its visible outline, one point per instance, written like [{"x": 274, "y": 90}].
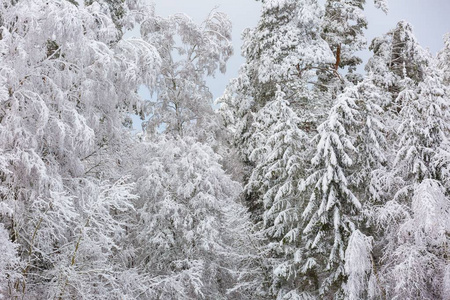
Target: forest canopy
[{"x": 312, "y": 180}]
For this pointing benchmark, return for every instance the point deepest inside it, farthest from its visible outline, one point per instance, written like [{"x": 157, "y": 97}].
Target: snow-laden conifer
[
  {"x": 370, "y": 141},
  {"x": 278, "y": 146},
  {"x": 343, "y": 27},
  {"x": 332, "y": 206},
  {"x": 283, "y": 51},
  {"x": 416, "y": 118},
  {"x": 444, "y": 60},
  {"x": 423, "y": 131},
  {"x": 397, "y": 56}
]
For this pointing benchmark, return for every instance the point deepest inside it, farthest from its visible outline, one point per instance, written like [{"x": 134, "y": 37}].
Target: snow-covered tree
[
  {"x": 362, "y": 279},
  {"x": 118, "y": 10},
  {"x": 68, "y": 85},
  {"x": 369, "y": 133},
  {"x": 417, "y": 110},
  {"x": 190, "y": 228},
  {"x": 190, "y": 53},
  {"x": 444, "y": 59},
  {"x": 282, "y": 52},
  {"x": 88, "y": 210},
  {"x": 397, "y": 56},
  {"x": 278, "y": 166},
  {"x": 9, "y": 263},
  {"x": 332, "y": 208},
  {"x": 278, "y": 145},
  {"x": 424, "y": 130},
  {"x": 343, "y": 29},
  {"x": 415, "y": 264},
  {"x": 397, "y": 68}
]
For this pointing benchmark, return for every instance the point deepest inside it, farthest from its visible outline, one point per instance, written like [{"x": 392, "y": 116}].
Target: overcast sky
[{"x": 430, "y": 19}]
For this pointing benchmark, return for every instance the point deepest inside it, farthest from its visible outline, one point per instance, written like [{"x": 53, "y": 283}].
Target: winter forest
[{"x": 313, "y": 175}]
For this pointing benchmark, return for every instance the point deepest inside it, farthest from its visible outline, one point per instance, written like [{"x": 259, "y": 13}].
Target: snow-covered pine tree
[
  {"x": 394, "y": 84},
  {"x": 283, "y": 50},
  {"x": 261, "y": 107},
  {"x": 412, "y": 256},
  {"x": 279, "y": 167},
  {"x": 370, "y": 139},
  {"x": 370, "y": 160},
  {"x": 343, "y": 29},
  {"x": 332, "y": 208},
  {"x": 396, "y": 56},
  {"x": 443, "y": 58},
  {"x": 350, "y": 149},
  {"x": 423, "y": 131},
  {"x": 391, "y": 80},
  {"x": 256, "y": 84}
]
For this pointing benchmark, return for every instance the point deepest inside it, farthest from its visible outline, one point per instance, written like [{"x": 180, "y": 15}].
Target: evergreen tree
[
  {"x": 444, "y": 58},
  {"x": 278, "y": 168},
  {"x": 349, "y": 148},
  {"x": 397, "y": 56},
  {"x": 417, "y": 177},
  {"x": 343, "y": 29},
  {"x": 283, "y": 51},
  {"x": 423, "y": 131},
  {"x": 332, "y": 208},
  {"x": 370, "y": 138}
]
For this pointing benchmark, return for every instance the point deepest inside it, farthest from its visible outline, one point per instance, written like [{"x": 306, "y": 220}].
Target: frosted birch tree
[
  {"x": 191, "y": 233},
  {"x": 190, "y": 53},
  {"x": 415, "y": 262},
  {"x": 68, "y": 85}
]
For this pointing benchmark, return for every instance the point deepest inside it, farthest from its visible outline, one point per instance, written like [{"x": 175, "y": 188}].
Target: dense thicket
[
  {"x": 313, "y": 181},
  {"x": 88, "y": 210},
  {"x": 334, "y": 207}
]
